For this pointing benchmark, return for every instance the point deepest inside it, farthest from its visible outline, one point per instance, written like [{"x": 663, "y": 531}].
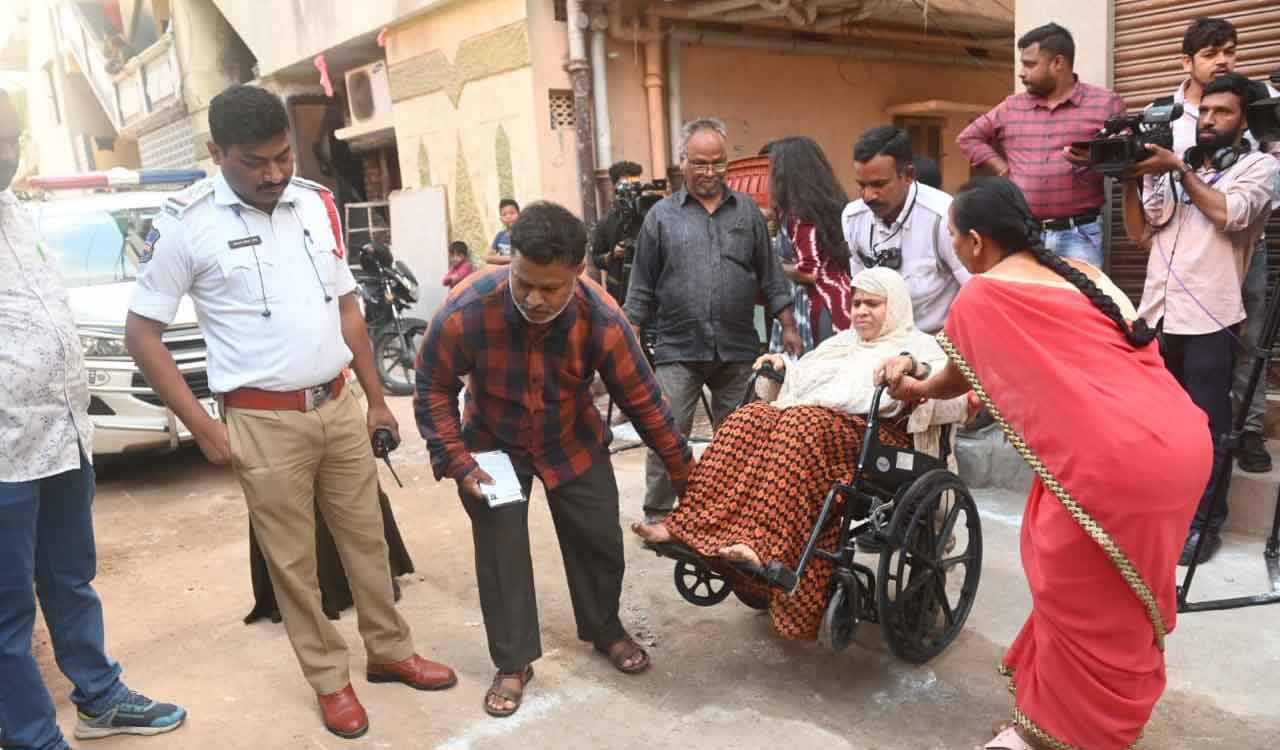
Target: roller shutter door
[{"x": 1148, "y": 42}]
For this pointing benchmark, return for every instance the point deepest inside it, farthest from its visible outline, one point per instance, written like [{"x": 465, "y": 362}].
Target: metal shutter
[{"x": 1148, "y": 42}]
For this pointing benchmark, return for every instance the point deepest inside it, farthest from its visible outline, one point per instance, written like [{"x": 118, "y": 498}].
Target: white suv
[{"x": 96, "y": 239}]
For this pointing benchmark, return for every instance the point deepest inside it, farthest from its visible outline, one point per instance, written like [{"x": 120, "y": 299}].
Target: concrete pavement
[{"x": 174, "y": 577}]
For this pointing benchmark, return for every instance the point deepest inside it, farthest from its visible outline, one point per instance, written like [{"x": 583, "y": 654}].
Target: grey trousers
[
  {"x": 682, "y": 385},
  {"x": 585, "y": 514},
  {"x": 1254, "y": 291}
]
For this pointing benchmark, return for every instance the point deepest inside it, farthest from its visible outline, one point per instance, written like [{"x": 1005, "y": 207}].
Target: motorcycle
[{"x": 387, "y": 289}]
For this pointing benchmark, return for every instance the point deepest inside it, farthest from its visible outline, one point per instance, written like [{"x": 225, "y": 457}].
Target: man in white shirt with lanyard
[
  {"x": 47, "y": 547},
  {"x": 900, "y": 223},
  {"x": 1208, "y": 51},
  {"x": 259, "y": 252}
]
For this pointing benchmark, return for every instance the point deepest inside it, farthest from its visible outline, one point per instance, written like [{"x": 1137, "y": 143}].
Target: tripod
[{"x": 1227, "y": 444}]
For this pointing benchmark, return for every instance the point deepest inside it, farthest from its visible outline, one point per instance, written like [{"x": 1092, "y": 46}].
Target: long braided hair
[{"x": 994, "y": 207}]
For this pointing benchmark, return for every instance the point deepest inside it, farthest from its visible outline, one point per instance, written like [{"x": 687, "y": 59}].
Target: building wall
[
  {"x": 461, "y": 83},
  {"x": 762, "y": 95},
  {"x": 313, "y": 26},
  {"x": 1091, "y": 25},
  {"x": 628, "y": 108},
  {"x": 52, "y": 76},
  {"x": 557, "y": 147}
]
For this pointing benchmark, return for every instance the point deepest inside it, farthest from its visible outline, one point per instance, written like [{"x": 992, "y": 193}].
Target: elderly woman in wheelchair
[{"x": 789, "y": 491}]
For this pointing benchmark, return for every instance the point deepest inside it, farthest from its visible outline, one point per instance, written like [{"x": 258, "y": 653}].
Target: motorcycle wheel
[{"x": 394, "y": 355}]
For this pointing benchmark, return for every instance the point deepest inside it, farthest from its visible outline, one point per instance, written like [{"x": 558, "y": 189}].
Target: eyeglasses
[
  {"x": 889, "y": 257},
  {"x": 701, "y": 167}
]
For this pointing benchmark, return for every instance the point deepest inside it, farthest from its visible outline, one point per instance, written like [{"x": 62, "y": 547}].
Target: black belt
[{"x": 1069, "y": 222}]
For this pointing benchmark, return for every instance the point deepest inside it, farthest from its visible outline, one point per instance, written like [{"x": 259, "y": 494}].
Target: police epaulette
[
  {"x": 311, "y": 185},
  {"x": 178, "y": 204}
]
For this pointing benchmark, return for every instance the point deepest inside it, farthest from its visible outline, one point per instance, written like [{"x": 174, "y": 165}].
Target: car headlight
[{"x": 103, "y": 346}]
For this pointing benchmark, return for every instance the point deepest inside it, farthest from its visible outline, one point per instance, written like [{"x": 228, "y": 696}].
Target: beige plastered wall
[
  {"x": 1091, "y": 23},
  {"x": 762, "y": 96},
  {"x": 557, "y": 147},
  {"x": 283, "y": 32},
  {"x": 432, "y": 127}
]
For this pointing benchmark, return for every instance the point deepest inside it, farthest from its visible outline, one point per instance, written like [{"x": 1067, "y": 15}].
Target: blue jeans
[
  {"x": 1083, "y": 242},
  {"x": 47, "y": 550}
]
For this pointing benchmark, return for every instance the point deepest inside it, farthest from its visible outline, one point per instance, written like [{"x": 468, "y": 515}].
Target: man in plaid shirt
[
  {"x": 531, "y": 336},
  {"x": 1028, "y": 138}
]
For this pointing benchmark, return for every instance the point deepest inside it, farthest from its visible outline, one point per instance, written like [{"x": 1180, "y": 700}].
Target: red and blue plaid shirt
[
  {"x": 1032, "y": 136},
  {"x": 529, "y": 392}
]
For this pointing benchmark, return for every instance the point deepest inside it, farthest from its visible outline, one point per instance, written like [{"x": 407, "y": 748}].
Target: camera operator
[
  {"x": 613, "y": 242},
  {"x": 1202, "y": 217},
  {"x": 1208, "y": 51}
]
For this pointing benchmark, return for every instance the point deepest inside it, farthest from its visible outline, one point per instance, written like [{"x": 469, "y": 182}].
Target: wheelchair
[{"x": 904, "y": 505}]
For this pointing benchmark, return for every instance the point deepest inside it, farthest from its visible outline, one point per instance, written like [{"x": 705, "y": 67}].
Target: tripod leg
[{"x": 1222, "y": 477}]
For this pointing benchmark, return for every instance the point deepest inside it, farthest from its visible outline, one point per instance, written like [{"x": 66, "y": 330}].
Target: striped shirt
[
  {"x": 830, "y": 288},
  {"x": 1031, "y": 135},
  {"x": 529, "y": 392}
]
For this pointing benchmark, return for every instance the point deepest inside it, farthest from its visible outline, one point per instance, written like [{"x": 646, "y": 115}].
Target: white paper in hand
[{"x": 506, "y": 486}]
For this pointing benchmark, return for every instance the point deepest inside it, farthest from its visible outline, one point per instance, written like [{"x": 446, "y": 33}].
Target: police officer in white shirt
[
  {"x": 900, "y": 223},
  {"x": 260, "y": 254}
]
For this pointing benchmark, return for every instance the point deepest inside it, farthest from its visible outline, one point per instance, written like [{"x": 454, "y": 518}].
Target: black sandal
[{"x": 498, "y": 690}]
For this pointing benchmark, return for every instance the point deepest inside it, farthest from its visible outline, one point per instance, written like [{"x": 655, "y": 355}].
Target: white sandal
[{"x": 1009, "y": 739}]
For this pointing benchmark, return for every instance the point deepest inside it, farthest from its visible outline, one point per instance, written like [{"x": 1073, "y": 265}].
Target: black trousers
[
  {"x": 1202, "y": 364},
  {"x": 585, "y": 514}
]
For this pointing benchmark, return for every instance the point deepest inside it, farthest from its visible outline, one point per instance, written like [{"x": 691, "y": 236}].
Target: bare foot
[
  {"x": 653, "y": 533},
  {"x": 740, "y": 553}
]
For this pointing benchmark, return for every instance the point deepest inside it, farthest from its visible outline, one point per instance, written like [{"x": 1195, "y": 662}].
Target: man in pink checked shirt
[{"x": 1024, "y": 137}]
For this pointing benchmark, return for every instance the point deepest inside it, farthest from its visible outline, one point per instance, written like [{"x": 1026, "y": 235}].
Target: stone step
[
  {"x": 1252, "y": 503},
  {"x": 987, "y": 460}
]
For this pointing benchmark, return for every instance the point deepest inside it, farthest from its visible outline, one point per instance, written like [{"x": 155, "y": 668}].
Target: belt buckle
[{"x": 316, "y": 396}]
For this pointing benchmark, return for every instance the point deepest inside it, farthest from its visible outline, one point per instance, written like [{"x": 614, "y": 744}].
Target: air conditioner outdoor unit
[{"x": 368, "y": 93}]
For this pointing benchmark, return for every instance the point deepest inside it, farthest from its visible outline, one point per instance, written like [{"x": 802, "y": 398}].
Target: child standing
[{"x": 500, "y": 248}]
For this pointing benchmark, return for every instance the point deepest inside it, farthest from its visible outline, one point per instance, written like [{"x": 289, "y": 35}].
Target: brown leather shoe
[
  {"x": 343, "y": 714},
  {"x": 416, "y": 672}
]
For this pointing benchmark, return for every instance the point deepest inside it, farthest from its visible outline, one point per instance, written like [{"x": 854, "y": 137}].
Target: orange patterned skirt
[{"x": 761, "y": 483}]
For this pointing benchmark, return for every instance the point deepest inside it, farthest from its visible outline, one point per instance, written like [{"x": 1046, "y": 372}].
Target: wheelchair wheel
[
  {"x": 753, "y": 600},
  {"x": 928, "y": 577},
  {"x": 699, "y": 585},
  {"x": 840, "y": 621}
]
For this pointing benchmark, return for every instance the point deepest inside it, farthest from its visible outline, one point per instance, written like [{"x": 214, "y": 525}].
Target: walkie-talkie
[{"x": 383, "y": 443}]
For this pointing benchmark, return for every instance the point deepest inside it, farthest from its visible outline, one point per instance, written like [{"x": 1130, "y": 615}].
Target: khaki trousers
[{"x": 284, "y": 459}]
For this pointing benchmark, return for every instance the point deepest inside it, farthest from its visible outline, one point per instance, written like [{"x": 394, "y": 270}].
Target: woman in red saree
[{"x": 1121, "y": 455}]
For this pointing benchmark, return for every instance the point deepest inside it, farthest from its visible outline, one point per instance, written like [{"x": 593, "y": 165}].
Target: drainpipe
[
  {"x": 675, "y": 107},
  {"x": 604, "y": 123},
  {"x": 600, "y": 88},
  {"x": 652, "y": 38},
  {"x": 580, "y": 78},
  {"x": 653, "y": 88}
]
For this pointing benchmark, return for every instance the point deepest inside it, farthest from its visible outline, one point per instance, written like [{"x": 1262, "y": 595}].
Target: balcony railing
[{"x": 144, "y": 93}]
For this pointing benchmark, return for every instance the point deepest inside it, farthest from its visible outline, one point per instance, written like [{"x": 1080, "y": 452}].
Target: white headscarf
[{"x": 839, "y": 373}]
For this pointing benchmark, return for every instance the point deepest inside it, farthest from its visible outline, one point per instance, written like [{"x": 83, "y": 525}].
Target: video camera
[
  {"x": 1123, "y": 139},
  {"x": 636, "y": 198}
]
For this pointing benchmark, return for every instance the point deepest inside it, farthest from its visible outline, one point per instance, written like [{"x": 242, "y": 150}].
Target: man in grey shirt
[{"x": 702, "y": 258}]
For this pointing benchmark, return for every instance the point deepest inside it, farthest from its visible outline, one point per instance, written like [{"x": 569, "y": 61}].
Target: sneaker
[
  {"x": 1252, "y": 455},
  {"x": 135, "y": 714}
]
